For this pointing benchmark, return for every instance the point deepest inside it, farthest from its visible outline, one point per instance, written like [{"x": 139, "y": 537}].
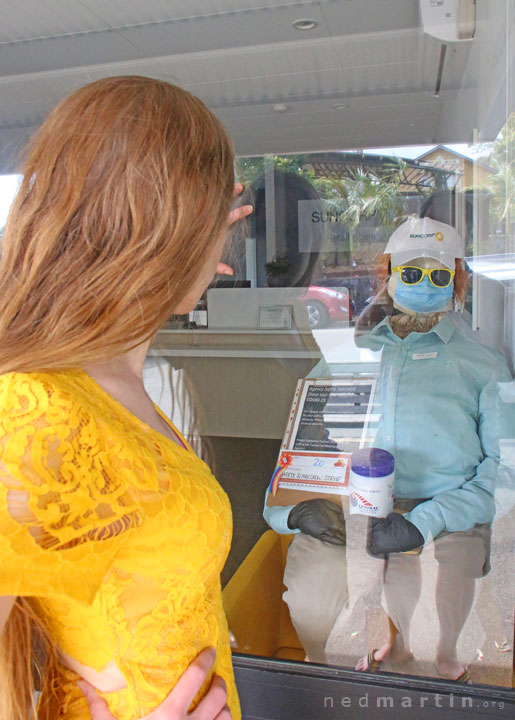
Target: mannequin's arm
[
  {"x": 474, "y": 501},
  {"x": 277, "y": 517},
  {"x": 319, "y": 517}
]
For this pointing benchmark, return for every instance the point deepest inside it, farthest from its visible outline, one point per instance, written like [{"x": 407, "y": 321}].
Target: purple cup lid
[{"x": 372, "y": 462}]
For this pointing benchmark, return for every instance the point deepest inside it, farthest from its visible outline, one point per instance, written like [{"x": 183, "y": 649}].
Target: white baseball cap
[{"x": 424, "y": 237}]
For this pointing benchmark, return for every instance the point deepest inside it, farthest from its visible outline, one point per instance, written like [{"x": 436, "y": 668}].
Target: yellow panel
[{"x": 256, "y": 613}]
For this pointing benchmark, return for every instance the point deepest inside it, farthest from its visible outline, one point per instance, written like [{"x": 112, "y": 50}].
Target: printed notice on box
[
  {"x": 329, "y": 419},
  {"x": 275, "y": 317},
  {"x": 332, "y": 415}
]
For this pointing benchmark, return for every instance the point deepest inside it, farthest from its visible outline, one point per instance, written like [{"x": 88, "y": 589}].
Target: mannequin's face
[{"x": 424, "y": 263}]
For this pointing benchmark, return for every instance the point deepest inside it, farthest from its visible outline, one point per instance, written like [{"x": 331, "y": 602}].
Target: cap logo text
[{"x": 426, "y": 235}]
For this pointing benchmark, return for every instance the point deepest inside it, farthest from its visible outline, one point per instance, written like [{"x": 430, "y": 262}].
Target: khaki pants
[
  {"x": 462, "y": 557},
  {"x": 316, "y": 578},
  {"x": 317, "y": 589}
]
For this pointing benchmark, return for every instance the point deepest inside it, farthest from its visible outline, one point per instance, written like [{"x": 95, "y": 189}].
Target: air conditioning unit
[{"x": 449, "y": 20}]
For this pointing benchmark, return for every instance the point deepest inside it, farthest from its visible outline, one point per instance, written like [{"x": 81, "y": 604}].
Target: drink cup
[{"x": 371, "y": 482}]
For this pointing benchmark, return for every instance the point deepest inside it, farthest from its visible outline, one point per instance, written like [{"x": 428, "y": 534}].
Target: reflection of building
[
  {"x": 416, "y": 178},
  {"x": 473, "y": 178},
  {"x": 468, "y": 172}
]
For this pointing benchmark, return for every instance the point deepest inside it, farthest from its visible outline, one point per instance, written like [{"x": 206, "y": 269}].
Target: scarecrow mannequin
[{"x": 442, "y": 419}]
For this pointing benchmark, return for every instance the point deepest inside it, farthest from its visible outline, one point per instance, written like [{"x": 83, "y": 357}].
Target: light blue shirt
[{"x": 442, "y": 417}]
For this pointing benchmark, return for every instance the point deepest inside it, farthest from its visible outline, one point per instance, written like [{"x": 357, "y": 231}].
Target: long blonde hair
[
  {"x": 125, "y": 188},
  {"x": 27, "y": 664}
]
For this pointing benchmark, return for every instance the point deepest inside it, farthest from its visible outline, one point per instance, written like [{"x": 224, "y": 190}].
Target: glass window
[
  {"x": 290, "y": 356},
  {"x": 363, "y": 348}
]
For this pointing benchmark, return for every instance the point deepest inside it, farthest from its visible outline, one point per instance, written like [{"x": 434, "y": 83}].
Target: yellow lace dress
[{"x": 117, "y": 533}]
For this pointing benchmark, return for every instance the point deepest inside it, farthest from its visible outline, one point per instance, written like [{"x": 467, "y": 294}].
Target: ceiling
[{"x": 242, "y": 57}]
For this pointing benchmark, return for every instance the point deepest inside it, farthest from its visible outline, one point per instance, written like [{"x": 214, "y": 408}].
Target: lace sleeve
[{"x": 56, "y": 518}]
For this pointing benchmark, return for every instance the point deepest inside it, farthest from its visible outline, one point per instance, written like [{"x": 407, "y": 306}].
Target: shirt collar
[{"x": 444, "y": 329}]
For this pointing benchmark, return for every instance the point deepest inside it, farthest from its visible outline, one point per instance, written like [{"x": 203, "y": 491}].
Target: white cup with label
[{"x": 371, "y": 482}]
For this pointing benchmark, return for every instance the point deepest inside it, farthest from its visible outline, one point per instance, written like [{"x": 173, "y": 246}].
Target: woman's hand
[
  {"x": 237, "y": 214},
  {"x": 240, "y": 212},
  {"x": 175, "y": 706}
]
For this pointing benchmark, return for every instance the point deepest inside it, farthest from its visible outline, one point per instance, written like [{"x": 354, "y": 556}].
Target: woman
[{"x": 112, "y": 531}]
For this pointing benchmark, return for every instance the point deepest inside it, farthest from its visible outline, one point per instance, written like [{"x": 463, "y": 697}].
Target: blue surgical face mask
[{"x": 424, "y": 297}]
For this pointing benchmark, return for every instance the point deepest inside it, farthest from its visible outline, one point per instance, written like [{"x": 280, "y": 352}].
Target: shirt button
[{"x": 389, "y": 438}]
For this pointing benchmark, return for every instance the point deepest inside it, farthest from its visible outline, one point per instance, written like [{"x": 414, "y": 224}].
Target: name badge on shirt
[{"x": 424, "y": 356}]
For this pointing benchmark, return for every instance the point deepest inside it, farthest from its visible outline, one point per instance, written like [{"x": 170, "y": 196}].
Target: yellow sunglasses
[{"x": 410, "y": 275}]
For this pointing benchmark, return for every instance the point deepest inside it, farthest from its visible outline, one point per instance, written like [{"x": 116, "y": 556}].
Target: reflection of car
[{"x": 325, "y": 305}]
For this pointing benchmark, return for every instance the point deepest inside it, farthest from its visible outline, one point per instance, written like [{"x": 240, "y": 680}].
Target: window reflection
[{"x": 315, "y": 299}]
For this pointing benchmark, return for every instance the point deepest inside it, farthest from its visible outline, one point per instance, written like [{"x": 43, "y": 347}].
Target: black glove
[
  {"x": 393, "y": 534},
  {"x": 319, "y": 518}
]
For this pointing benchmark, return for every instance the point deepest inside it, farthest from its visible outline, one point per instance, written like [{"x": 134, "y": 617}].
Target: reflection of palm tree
[
  {"x": 369, "y": 193},
  {"x": 365, "y": 193},
  {"x": 502, "y": 183},
  {"x": 502, "y": 187}
]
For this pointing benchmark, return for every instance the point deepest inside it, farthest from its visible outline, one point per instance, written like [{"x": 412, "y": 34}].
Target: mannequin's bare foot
[
  {"x": 371, "y": 662},
  {"x": 450, "y": 668}
]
